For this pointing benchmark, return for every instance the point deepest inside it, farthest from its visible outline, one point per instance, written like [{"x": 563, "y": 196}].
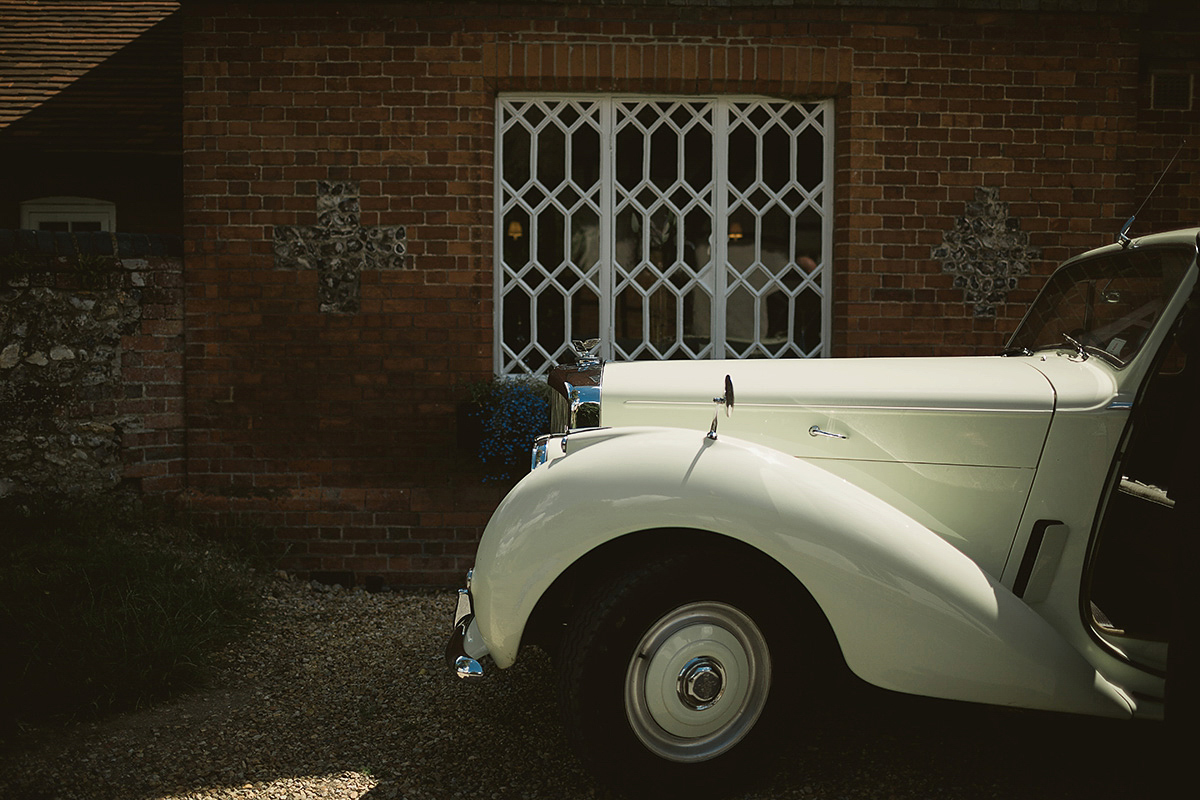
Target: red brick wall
[
  {"x": 339, "y": 430},
  {"x": 1170, "y": 45},
  {"x": 152, "y": 396}
]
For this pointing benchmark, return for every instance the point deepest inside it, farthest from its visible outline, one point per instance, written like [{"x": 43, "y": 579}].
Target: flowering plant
[{"x": 511, "y": 413}]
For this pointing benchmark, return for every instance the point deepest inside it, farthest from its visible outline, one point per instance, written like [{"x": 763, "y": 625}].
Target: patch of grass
[{"x": 103, "y": 609}]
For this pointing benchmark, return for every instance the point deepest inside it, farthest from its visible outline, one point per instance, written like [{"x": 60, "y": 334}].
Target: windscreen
[{"x": 1108, "y": 304}]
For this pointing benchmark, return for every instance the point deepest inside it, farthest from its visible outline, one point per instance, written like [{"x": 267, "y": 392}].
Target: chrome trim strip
[
  {"x": 801, "y": 408},
  {"x": 844, "y": 460}
]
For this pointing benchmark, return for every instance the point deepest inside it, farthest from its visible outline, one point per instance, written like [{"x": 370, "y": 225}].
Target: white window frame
[
  {"x": 69, "y": 210},
  {"x": 507, "y": 364}
]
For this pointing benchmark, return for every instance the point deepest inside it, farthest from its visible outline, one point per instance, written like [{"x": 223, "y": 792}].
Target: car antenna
[{"x": 1123, "y": 238}]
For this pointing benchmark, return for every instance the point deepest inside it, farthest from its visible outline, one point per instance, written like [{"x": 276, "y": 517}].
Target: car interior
[{"x": 1132, "y": 569}]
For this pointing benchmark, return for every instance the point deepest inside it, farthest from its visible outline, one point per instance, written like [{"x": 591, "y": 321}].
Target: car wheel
[{"x": 670, "y": 672}]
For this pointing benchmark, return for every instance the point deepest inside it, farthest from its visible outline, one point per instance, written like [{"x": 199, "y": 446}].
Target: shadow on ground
[{"x": 349, "y": 698}]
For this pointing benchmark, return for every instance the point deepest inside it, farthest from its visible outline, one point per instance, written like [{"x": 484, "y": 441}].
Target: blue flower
[{"x": 513, "y": 412}]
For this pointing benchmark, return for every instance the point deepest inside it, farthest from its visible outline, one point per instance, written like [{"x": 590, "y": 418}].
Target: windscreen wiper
[{"x": 1080, "y": 350}]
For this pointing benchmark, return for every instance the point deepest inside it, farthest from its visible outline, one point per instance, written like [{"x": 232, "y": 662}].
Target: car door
[{"x": 1094, "y": 551}]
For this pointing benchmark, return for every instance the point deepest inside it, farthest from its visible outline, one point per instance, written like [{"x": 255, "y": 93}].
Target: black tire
[{"x": 693, "y": 713}]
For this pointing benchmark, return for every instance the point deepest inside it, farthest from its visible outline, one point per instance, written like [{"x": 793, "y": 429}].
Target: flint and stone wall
[{"x": 91, "y": 364}]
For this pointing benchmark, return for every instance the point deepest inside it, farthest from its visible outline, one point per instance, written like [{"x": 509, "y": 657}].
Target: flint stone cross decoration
[
  {"x": 338, "y": 247},
  {"x": 986, "y": 252}
]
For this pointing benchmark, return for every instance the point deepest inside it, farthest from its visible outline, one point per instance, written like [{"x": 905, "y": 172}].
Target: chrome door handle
[{"x": 815, "y": 431}]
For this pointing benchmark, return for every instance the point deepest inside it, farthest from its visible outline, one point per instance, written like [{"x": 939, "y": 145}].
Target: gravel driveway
[{"x": 343, "y": 694}]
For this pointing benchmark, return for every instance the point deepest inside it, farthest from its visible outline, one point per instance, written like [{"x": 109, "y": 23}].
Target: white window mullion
[
  {"x": 720, "y": 223},
  {"x": 501, "y": 368},
  {"x": 607, "y": 227},
  {"x": 827, "y": 234}
]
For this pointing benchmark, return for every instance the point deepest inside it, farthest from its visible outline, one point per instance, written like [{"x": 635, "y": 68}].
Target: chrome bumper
[{"x": 460, "y": 661}]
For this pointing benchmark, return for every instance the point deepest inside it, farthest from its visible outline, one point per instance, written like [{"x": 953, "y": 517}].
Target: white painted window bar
[{"x": 666, "y": 227}]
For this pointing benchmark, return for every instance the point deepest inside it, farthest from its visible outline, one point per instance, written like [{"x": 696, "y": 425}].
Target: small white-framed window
[
  {"x": 74, "y": 214},
  {"x": 668, "y": 227}
]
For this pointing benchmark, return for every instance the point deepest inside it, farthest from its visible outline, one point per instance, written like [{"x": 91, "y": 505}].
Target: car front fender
[{"x": 910, "y": 612}]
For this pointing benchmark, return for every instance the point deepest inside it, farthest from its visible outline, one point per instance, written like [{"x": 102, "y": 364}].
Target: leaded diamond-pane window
[{"x": 666, "y": 227}]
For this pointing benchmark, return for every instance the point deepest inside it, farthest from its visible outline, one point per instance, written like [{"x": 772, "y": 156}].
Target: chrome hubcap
[
  {"x": 701, "y": 683},
  {"x": 697, "y": 682}
]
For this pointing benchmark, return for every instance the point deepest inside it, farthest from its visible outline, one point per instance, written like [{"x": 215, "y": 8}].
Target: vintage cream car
[{"x": 701, "y": 539}]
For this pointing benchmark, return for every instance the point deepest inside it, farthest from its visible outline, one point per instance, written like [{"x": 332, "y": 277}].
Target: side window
[{"x": 74, "y": 214}]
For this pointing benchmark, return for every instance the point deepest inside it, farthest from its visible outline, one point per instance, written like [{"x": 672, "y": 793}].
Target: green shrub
[{"x": 102, "y": 610}]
